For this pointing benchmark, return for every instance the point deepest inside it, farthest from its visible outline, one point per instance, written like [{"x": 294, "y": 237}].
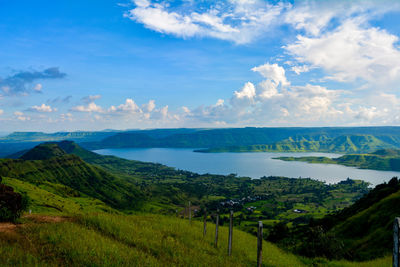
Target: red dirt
[
  {"x": 46, "y": 219},
  {"x": 6, "y": 227}
]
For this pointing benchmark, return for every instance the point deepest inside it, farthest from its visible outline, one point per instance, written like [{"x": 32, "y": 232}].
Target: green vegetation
[
  {"x": 71, "y": 171},
  {"x": 138, "y": 240},
  {"x": 320, "y": 143},
  {"x": 384, "y": 159},
  {"x": 92, "y": 195},
  {"x": 361, "y": 231},
  {"x": 12, "y": 204}
]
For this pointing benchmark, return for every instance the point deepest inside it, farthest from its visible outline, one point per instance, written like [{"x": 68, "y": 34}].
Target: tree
[{"x": 12, "y": 204}]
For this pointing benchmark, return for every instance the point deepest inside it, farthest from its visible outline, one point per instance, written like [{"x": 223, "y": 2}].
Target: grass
[
  {"x": 46, "y": 199},
  {"x": 141, "y": 240}
]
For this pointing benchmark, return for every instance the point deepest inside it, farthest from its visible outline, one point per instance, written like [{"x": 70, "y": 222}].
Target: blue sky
[{"x": 92, "y": 65}]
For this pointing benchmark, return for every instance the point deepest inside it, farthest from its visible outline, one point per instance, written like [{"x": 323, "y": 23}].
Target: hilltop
[{"x": 50, "y": 163}]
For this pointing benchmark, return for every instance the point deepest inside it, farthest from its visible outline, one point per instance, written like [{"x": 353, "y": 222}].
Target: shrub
[{"x": 12, "y": 204}]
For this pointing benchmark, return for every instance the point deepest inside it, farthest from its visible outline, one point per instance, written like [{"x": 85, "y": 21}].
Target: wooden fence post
[
  {"x": 259, "y": 243},
  {"x": 216, "y": 229},
  {"x": 396, "y": 258},
  {"x": 230, "y": 233},
  {"x": 190, "y": 214},
  {"x": 205, "y": 222}
]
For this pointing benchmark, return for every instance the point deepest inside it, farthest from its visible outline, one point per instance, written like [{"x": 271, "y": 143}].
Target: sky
[{"x": 94, "y": 65}]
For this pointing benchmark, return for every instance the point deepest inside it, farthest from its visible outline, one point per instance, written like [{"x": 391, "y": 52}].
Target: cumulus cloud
[
  {"x": 42, "y": 108},
  {"x": 273, "y": 101},
  {"x": 237, "y": 21},
  {"x": 20, "y": 83},
  {"x": 91, "y": 107},
  {"x": 128, "y": 107},
  {"x": 351, "y": 52},
  {"x": 21, "y": 116}
]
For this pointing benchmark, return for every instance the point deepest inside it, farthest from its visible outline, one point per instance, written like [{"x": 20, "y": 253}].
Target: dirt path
[{"x": 6, "y": 227}]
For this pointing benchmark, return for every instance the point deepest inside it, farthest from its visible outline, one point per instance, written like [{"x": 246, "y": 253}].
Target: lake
[{"x": 253, "y": 165}]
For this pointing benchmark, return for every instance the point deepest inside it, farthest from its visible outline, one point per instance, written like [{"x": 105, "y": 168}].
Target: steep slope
[
  {"x": 120, "y": 240},
  {"x": 361, "y": 231},
  {"x": 72, "y": 171}
]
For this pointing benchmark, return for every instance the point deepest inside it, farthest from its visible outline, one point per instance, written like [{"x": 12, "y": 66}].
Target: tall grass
[{"x": 142, "y": 240}]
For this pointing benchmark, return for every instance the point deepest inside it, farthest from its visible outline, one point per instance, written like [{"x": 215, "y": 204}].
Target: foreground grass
[{"x": 140, "y": 240}]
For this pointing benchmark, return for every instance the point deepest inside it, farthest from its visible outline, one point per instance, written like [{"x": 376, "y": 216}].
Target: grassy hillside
[
  {"x": 71, "y": 171},
  {"x": 361, "y": 231},
  {"x": 138, "y": 240},
  {"x": 384, "y": 159}
]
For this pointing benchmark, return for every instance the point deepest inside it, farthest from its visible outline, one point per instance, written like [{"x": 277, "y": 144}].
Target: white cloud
[
  {"x": 272, "y": 72},
  {"x": 237, "y": 21},
  {"x": 20, "y": 116},
  {"x": 248, "y": 91},
  {"x": 150, "y": 106},
  {"x": 1, "y": 111},
  {"x": 299, "y": 69},
  {"x": 38, "y": 88},
  {"x": 274, "y": 104},
  {"x": 91, "y": 107},
  {"x": 351, "y": 52},
  {"x": 128, "y": 107},
  {"x": 42, "y": 108}
]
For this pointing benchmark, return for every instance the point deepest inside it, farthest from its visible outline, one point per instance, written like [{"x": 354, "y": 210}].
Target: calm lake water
[{"x": 253, "y": 165}]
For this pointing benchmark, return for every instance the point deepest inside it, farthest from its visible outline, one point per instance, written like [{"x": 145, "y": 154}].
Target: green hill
[
  {"x": 49, "y": 163},
  {"x": 361, "y": 231}
]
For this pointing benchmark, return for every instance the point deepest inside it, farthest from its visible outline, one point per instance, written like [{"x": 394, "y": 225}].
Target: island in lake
[{"x": 383, "y": 159}]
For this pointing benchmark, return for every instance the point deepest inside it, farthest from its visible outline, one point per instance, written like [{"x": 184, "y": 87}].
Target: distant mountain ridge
[
  {"x": 319, "y": 143},
  {"x": 250, "y": 139}
]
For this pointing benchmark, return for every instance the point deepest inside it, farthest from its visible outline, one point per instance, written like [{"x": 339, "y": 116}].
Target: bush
[{"x": 12, "y": 204}]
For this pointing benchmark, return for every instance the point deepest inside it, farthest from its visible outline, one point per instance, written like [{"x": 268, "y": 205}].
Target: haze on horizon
[{"x": 93, "y": 65}]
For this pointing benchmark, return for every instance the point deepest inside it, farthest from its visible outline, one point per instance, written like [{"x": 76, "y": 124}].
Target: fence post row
[
  {"x": 396, "y": 243},
  {"x": 190, "y": 214},
  {"x": 216, "y": 229},
  {"x": 230, "y": 233},
  {"x": 259, "y": 243},
  {"x": 205, "y": 222}
]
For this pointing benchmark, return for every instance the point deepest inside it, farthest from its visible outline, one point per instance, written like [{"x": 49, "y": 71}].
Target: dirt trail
[{"x": 6, "y": 227}]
